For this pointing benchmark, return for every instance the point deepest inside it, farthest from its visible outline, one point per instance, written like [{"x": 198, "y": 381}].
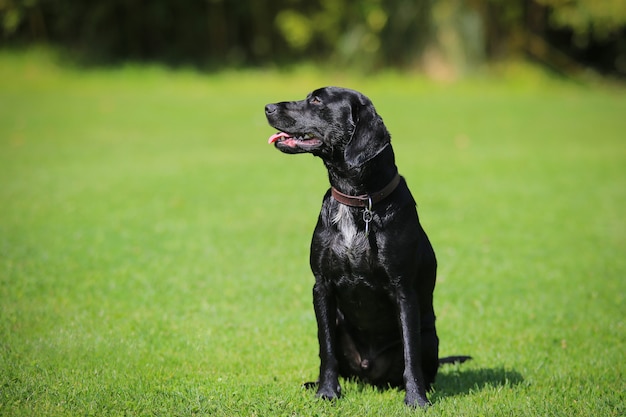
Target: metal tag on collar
[{"x": 368, "y": 215}]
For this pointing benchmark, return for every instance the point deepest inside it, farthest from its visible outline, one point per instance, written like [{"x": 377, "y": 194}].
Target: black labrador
[{"x": 374, "y": 266}]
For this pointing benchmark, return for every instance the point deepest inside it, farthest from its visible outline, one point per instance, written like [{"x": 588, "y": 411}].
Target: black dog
[{"x": 374, "y": 266}]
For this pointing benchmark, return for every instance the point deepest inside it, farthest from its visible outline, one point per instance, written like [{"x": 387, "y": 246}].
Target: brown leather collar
[{"x": 365, "y": 200}]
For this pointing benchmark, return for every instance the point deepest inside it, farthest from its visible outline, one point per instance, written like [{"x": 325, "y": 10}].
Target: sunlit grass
[{"x": 153, "y": 247}]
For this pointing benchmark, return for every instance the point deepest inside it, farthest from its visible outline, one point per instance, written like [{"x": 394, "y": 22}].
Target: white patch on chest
[
  {"x": 345, "y": 224},
  {"x": 351, "y": 239}
]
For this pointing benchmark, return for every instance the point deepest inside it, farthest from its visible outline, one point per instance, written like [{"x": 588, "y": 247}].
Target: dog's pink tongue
[{"x": 277, "y": 136}]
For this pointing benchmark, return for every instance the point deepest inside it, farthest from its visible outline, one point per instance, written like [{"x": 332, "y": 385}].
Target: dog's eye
[{"x": 316, "y": 100}]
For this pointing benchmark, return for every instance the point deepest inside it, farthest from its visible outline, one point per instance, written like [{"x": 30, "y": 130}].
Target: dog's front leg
[
  {"x": 326, "y": 314},
  {"x": 408, "y": 314}
]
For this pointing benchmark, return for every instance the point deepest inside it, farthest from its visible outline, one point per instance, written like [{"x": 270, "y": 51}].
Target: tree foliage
[
  {"x": 369, "y": 33},
  {"x": 587, "y": 18}
]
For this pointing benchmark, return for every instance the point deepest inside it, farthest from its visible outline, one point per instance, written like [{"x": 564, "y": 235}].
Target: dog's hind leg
[{"x": 351, "y": 363}]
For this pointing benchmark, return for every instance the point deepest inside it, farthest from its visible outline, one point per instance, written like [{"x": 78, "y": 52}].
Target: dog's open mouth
[{"x": 286, "y": 140}]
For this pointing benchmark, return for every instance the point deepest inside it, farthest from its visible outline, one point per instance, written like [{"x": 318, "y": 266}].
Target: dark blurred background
[{"x": 444, "y": 38}]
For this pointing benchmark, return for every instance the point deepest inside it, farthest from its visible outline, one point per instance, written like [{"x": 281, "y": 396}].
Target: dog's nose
[{"x": 270, "y": 108}]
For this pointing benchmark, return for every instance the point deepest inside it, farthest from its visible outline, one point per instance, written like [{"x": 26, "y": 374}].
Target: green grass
[{"x": 154, "y": 248}]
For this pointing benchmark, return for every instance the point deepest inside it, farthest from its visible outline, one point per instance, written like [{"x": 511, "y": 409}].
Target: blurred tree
[
  {"x": 19, "y": 16},
  {"x": 588, "y": 19},
  {"x": 569, "y": 33},
  {"x": 457, "y": 44},
  {"x": 369, "y": 33},
  {"x": 445, "y": 36}
]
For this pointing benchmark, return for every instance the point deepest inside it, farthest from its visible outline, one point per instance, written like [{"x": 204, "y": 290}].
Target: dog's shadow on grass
[{"x": 455, "y": 382}]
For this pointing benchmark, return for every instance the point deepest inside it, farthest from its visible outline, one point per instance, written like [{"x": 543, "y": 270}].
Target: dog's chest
[{"x": 349, "y": 242}]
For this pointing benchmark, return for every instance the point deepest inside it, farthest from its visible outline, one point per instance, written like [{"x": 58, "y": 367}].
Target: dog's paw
[
  {"x": 329, "y": 392},
  {"x": 414, "y": 399}
]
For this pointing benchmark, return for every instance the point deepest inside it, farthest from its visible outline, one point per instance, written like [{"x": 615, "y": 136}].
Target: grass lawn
[{"x": 154, "y": 248}]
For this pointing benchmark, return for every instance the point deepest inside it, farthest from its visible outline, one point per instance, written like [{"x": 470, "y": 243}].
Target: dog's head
[{"x": 331, "y": 122}]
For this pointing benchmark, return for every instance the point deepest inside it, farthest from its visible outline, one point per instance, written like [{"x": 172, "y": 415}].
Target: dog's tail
[{"x": 453, "y": 359}]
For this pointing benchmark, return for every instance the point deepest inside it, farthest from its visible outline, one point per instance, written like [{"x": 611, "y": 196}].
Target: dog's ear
[{"x": 370, "y": 136}]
